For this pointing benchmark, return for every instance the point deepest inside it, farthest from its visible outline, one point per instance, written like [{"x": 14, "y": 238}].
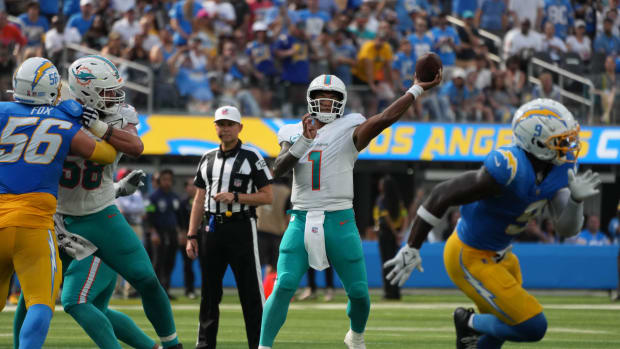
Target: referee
[{"x": 231, "y": 180}]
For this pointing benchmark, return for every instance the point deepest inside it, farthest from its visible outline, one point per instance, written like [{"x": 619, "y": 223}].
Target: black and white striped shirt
[{"x": 242, "y": 170}]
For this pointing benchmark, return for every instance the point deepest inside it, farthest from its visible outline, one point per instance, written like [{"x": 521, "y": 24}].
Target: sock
[
  {"x": 274, "y": 314},
  {"x": 95, "y": 324},
  {"x": 158, "y": 310},
  {"x": 18, "y": 320},
  {"x": 531, "y": 330},
  {"x": 489, "y": 342},
  {"x": 35, "y": 326},
  {"x": 262, "y": 347},
  {"x": 358, "y": 310},
  {"x": 127, "y": 331}
]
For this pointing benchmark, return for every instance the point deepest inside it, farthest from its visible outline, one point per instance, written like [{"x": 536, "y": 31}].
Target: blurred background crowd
[{"x": 194, "y": 55}]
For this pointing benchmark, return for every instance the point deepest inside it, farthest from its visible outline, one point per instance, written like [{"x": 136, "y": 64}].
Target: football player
[
  {"x": 87, "y": 211},
  {"x": 37, "y": 134},
  {"x": 514, "y": 184},
  {"x": 322, "y": 150}
]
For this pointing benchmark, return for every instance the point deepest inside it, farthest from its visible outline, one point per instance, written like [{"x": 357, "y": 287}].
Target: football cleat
[
  {"x": 466, "y": 338},
  {"x": 354, "y": 340}
]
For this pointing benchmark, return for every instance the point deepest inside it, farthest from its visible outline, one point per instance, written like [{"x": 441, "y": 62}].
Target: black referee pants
[{"x": 233, "y": 243}]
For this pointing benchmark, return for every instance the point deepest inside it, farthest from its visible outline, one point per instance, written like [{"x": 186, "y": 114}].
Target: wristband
[
  {"x": 98, "y": 128},
  {"x": 300, "y": 147},
  {"x": 416, "y": 91},
  {"x": 108, "y": 133},
  {"x": 428, "y": 217}
]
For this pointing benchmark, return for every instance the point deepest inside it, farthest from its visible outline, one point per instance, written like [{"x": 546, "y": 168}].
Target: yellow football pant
[
  {"x": 495, "y": 287},
  {"x": 33, "y": 254}
]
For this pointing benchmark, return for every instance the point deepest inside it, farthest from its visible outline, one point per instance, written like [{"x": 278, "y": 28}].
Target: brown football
[{"x": 427, "y": 67}]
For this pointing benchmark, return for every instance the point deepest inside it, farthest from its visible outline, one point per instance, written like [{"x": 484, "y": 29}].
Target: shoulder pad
[
  {"x": 129, "y": 113},
  {"x": 71, "y": 107}
]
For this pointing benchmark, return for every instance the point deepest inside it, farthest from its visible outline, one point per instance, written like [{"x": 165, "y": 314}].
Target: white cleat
[
  {"x": 354, "y": 340},
  {"x": 262, "y": 347}
]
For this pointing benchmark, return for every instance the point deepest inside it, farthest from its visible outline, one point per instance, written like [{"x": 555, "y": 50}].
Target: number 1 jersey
[
  {"x": 87, "y": 187},
  {"x": 323, "y": 177}
]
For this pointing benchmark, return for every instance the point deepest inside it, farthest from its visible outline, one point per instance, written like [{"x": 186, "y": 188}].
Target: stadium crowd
[{"x": 261, "y": 54}]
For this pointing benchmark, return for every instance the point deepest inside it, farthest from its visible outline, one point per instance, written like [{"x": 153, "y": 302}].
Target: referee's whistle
[{"x": 228, "y": 213}]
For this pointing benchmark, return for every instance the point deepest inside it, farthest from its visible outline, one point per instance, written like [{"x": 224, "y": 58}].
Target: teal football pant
[
  {"x": 94, "y": 282},
  {"x": 344, "y": 251}
]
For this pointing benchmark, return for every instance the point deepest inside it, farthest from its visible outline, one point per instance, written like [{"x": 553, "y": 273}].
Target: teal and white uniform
[{"x": 323, "y": 183}]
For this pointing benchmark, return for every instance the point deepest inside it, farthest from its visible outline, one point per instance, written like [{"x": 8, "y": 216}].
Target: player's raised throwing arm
[
  {"x": 290, "y": 154},
  {"x": 372, "y": 127}
]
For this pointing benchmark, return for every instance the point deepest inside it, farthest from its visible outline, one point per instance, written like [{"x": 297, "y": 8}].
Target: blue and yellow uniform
[
  {"x": 34, "y": 141},
  {"x": 476, "y": 258}
]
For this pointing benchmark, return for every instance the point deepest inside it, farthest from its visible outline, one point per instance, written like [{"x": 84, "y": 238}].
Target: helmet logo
[
  {"x": 83, "y": 75},
  {"x": 328, "y": 80},
  {"x": 38, "y": 74}
]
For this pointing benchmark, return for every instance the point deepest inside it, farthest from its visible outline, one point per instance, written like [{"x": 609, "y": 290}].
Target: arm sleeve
[
  {"x": 260, "y": 172},
  {"x": 198, "y": 180},
  {"x": 567, "y": 214}
]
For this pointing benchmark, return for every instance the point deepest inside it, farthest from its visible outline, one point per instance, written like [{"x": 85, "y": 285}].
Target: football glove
[
  {"x": 407, "y": 259},
  {"x": 583, "y": 186},
  {"x": 74, "y": 245},
  {"x": 89, "y": 116},
  {"x": 130, "y": 183}
]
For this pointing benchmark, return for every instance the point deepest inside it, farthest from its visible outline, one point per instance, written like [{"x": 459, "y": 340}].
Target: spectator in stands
[
  {"x": 605, "y": 86},
  {"x": 421, "y": 40},
  {"x": 151, "y": 38},
  {"x": 97, "y": 35},
  {"x": 548, "y": 231},
  {"x": 293, "y": 52},
  {"x": 585, "y": 10},
  {"x": 57, "y": 37},
  {"x": 527, "y": 9},
  {"x": 446, "y": 41},
  {"x": 611, "y": 13},
  {"x": 11, "y": 43},
  {"x": 127, "y": 26},
  {"x": 452, "y": 96},
  {"x": 613, "y": 229},
  {"x": 343, "y": 56},
  {"x": 223, "y": 14},
  {"x": 84, "y": 19},
  {"x": 591, "y": 235},
  {"x": 166, "y": 94},
  {"x": 484, "y": 75},
  {"x": 459, "y": 7},
  {"x": 360, "y": 28},
  {"x": 389, "y": 216},
  {"x": 320, "y": 54},
  {"x": 374, "y": 70},
  {"x": 606, "y": 42},
  {"x": 502, "y": 100},
  {"x": 34, "y": 26},
  {"x": 560, "y": 14},
  {"x": 49, "y": 8},
  {"x": 204, "y": 30},
  {"x": 182, "y": 15},
  {"x": 515, "y": 78},
  {"x": 263, "y": 72},
  {"x": 315, "y": 19},
  {"x": 468, "y": 35},
  {"x": 189, "y": 66},
  {"x": 546, "y": 88},
  {"x": 492, "y": 16},
  {"x": 519, "y": 40},
  {"x": 114, "y": 47},
  {"x": 403, "y": 69},
  {"x": 552, "y": 44},
  {"x": 70, "y": 7},
  {"x": 579, "y": 42},
  {"x": 476, "y": 106}
]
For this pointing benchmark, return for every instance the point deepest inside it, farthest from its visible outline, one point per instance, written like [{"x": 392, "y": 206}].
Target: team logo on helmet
[{"x": 83, "y": 75}]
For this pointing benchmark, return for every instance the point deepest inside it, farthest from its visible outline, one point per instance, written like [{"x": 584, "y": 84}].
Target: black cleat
[{"x": 466, "y": 338}]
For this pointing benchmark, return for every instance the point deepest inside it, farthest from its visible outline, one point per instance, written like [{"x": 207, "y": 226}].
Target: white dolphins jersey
[
  {"x": 323, "y": 177},
  {"x": 85, "y": 186}
]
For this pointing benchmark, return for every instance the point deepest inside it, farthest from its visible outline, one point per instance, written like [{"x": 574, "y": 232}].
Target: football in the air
[{"x": 427, "y": 67}]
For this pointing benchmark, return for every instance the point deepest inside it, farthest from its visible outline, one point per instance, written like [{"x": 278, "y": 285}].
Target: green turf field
[{"x": 419, "y": 321}]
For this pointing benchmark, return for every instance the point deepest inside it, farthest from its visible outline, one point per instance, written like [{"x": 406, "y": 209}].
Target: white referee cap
[{"x": 228, "y": 112}]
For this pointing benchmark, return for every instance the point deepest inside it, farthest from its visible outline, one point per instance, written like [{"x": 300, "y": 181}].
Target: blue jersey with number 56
[
  {"x": 34, "y": 142},
  {"x": 491, "y": 224}
]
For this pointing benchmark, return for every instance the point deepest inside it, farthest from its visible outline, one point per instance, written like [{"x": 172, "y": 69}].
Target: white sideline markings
[{"x": 343, "y": 306}]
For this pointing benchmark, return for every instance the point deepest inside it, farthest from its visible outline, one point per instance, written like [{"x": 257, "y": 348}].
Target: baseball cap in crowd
[
  {"x": 468, "y": 14},
  {"x": 458, "y": 73},
  {"x": 259, "y": 27},
  {"x": 228, "y": 112},
  {"x": 87, "y": 2},
  {"x": 202, "y": 13},
  {"x": 580, "y": 23}
]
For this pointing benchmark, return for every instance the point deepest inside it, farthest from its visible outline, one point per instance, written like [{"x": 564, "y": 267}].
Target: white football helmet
[
  {"x": 36, "y": 81},
  {"x": 96, "y": 82},
  {"x": 547, "y": 130},
  {"x": 326, "y": 83}
]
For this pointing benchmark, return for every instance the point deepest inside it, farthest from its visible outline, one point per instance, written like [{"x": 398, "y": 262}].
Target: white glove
[
  {"x": 407, "y": 259},
  {"x": 583, "y": 186},
  {"x": 130, "y": 183},
  {"x": 89, "y": 116}
]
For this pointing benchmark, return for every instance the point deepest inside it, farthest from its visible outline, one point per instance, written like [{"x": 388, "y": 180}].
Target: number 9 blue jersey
[
  {"x": 491, "y": 224},
  {"x": 34, "y": 142}
]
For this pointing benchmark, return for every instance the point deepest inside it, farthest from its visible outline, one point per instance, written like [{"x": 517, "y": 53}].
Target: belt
[{"x": 221, "y": 218}]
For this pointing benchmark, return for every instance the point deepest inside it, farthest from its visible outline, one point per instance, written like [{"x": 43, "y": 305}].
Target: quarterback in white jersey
[
  {"x": 90, "y": 223},
  {"x": 322, "y": 150}
]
